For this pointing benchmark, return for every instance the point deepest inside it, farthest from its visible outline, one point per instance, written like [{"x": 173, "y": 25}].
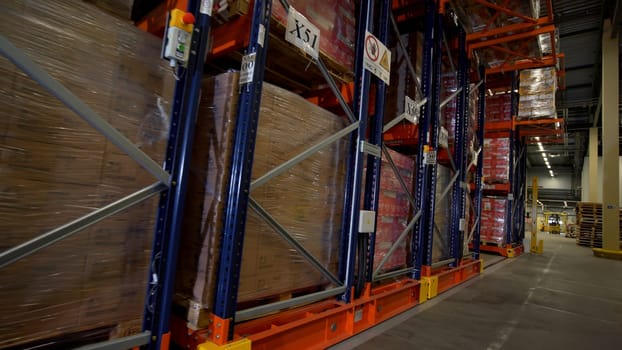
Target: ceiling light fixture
[{"x": 537, "y": 138}]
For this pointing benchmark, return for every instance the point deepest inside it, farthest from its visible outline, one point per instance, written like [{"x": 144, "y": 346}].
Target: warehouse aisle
[{"x": 564, "y": 299}]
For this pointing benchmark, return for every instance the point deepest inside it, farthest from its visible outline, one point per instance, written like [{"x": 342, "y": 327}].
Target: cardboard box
[{"x": 306, "y": 200}]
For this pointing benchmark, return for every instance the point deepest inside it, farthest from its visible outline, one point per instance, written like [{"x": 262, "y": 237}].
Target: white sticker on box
[
  {"x": 302, "y": 33},
  {"x": 206, "y": 7},
  {"x": 247, "y": 69},
  {"x": 262, "y": 35},
  {"x": 443, "y": 137},
  {"x": 377, "y": 58}
]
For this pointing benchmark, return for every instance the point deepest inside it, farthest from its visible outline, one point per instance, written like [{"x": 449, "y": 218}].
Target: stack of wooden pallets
[{"x": 590, "y": 224}]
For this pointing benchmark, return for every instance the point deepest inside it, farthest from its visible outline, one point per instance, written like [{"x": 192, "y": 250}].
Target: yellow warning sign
[{"x": 384, "y": 61}]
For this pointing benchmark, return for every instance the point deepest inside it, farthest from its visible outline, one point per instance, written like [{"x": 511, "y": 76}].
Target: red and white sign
[{"x": 377, "y": 59}]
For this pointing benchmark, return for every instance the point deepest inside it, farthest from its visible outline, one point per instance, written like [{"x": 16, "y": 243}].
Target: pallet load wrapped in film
[
  {"x": 394, "y": 211},
  {"x": 537, "y": 93},
  {"x": 478, "y": 16},
  {"x": 496, "y": 160},
  {"x": 56, "y": 168},
  {"x": 306, "y": 200},
  {"x": 493, "y": 220}
]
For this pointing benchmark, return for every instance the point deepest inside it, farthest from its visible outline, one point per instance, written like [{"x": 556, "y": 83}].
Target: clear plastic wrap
[
  {"x": 477, "y": 17},
  {"x": 442, "y": 215},
  {"x": 394, "y": 210},
  {"x": 493, "y": 220},
  {"x": 537, "y": 93},
  {"x": 336, "y": 21},
  {"x": 306, "y": 200},
  {"x": 120, "y": 8},
  {"x": 56, "y": 168}
]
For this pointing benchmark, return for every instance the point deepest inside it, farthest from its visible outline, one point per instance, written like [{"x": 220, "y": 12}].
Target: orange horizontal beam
[
  {"x": 512, "y": 37},
  {"x": 515, "y": 53},
  {"x": 547, "y": 61},
  {"x": 512, "y": 28},
  {"x": 449, "y": 277},
  {"x": 541, "y": 132},
  {"x": 543, "y": 121},
  {"x": 321, "y": 325}
]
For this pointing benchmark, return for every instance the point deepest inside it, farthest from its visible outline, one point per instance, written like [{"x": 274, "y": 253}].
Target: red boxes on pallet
[
  {"x": 493, "y": 220},
  {"x": 393, "y": 210},
  {"x": 499, "y": 108},
  {"x": 497, "y": 160}
]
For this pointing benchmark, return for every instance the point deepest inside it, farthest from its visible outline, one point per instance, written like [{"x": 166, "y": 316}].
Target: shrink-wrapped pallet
[
  {"x": 442, "y": 215},
  {"x": 477, "y": 17},
  {"x": 499, "y": 108},
  {"x": 306, "y": 200},
  {"x": 492, "y": 229},
  {"x": 394, "y": 210},
  {"x": 496, "y": 160},
  {"x": 537, "y": 93},
  {"x": 55, "y": 168}
]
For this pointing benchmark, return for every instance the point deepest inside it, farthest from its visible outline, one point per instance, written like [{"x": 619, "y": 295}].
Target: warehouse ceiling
[{"x": 579, "y": 25}]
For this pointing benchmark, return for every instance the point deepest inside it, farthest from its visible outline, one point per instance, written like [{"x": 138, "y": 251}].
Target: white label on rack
[
  {"x": 302, "y": 33},
  {"x": 247, "y": 69},
  {"x": 429, "y": 157},
  {"x": 206, "y": 7},
  {"x": 377, "y": 58},
  {"x": 358, "y": 315},
  {"x": 511, "y": 196},
  {"x": 462, "y": 224},
  {"x": 443, "y": 137},
  {"x": 262, "y": 35},
  {"x": 411, "y": 110}
]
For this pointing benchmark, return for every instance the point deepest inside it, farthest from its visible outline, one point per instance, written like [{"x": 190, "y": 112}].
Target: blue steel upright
[
  {"x": 171, "y": 206},
  {"x": 428, "y": 112},
  {"x": 372, "y": 182},
  {"x": 350, "y": 236},
  {"x": 460, "y": 152},
  {"x": 241, "y": 168},
  {"x": 481, "y": 119},
  {"x": 509, "y": 217}
]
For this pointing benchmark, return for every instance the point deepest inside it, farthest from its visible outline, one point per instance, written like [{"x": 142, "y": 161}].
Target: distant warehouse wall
[{"x": 585, "y": 181}]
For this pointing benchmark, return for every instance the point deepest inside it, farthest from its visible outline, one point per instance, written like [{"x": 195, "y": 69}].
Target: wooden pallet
[{"x": 590, "y": 225}]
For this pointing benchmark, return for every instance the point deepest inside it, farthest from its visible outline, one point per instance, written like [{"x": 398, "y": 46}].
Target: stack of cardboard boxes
[
  {"x": 499, "y": 108},
  {"x": 394, "y": 210},
  {"x": 56, "y": 168},
  {"x": 496, "y": 160},
  {"x": 537, "y": 93}
]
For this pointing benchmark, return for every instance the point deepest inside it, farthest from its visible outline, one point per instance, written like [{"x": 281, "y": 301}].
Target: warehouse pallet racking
[{"x": 362, "y": 301}]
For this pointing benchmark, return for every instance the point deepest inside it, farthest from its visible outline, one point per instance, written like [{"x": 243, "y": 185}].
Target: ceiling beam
[{"x": 616, "y": 20}]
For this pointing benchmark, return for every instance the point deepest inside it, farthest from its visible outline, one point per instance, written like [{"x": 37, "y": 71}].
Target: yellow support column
[
  {"x": 535, "y": 246},
  {"x": 610, "y": 144}
]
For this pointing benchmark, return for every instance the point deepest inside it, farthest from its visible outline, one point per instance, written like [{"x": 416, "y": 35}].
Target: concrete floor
[{"x": 563, "y": 299}]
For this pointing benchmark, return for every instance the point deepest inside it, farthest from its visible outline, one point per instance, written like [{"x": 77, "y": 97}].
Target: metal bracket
[{"x": 371, "y": 149}]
